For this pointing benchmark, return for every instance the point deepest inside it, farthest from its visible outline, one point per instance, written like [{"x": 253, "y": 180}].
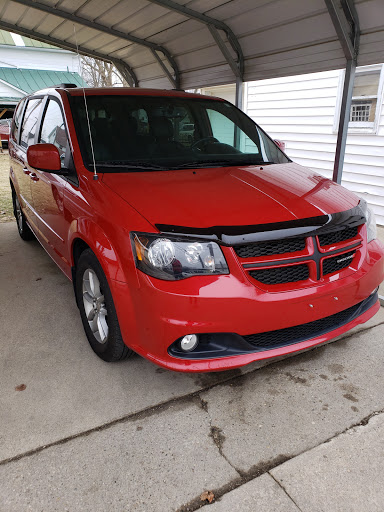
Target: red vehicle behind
[
  {"x": 5, "y": 125},
  {"x": 200, "y": 253}
]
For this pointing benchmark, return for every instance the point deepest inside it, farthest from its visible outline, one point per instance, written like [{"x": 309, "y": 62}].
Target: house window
[
  {"x": 361, "y": 111},
  {"x": 366, "y": 100}
]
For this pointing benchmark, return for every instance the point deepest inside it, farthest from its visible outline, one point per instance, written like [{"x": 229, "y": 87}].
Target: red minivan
[{"x": 200, "y": 253}]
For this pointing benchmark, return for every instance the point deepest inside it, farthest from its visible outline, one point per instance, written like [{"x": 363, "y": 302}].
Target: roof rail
[{"x": 64, "y": 86}]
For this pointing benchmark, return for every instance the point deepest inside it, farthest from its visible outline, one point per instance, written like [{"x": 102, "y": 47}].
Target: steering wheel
[{"x": 200, "y": 142}]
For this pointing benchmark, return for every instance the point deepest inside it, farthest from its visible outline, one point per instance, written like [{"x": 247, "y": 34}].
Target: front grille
[
  {"x": 270, "y": 247},
  {"x": 290, "y": 335},
  {"x": 338, "y": 262},
  {"x": 336, "y": 237},
  {"x": 286, "y": 274}
]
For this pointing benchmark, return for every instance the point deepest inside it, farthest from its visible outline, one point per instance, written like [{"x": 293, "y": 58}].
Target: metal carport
[{"x": 196, "y": 43}]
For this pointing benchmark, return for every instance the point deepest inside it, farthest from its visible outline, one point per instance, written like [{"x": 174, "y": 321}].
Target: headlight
[
  {"x": 171, "y": 258},
  {"x": 371, "y": 221}
]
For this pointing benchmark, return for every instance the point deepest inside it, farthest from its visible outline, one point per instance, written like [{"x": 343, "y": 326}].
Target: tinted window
[
  {"x": 31, "y": 117},
  {"x": 134, "y": 133},
  {"x": 53, "y": 129},
  {"x": 17, "y": 119}
]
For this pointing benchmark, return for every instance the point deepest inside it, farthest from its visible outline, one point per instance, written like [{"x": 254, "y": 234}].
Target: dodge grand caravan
[{"x": 200, "y": 253}]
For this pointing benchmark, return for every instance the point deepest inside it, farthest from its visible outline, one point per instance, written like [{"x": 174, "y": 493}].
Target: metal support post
[
  {"x": 346, "y": 22},
  {"x": 239, "y": 104},
  {"x": 344, "y": 120},
  {"x": 239, "y": 93}
]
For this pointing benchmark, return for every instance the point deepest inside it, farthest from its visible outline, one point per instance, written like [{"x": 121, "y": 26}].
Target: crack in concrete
[
  {"x": 265, "y": 467},
  {"x": 144, "y": 413},
  {"x": 157, "y": 409},
  {"x": 216, "y": 434},
  {"x": 245, "y": 477},
  {"x": 361, "y": 423},
  {"x": 285, "y": 491},
  {"x": 181, "y": 401}
]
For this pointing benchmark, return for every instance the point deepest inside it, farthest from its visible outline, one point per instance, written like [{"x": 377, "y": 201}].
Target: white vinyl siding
[
  {"x": 38, "y": 58},
  {"x": 300, "y": 111},
  {"x": 8, "y": 91}
]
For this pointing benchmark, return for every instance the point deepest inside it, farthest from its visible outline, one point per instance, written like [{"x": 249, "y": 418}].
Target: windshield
[{"x": 138, "y": 133}]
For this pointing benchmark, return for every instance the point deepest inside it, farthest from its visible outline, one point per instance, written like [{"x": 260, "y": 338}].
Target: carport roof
[
  {"x": 6, "y": 39},
  {"x": 202, "y": 42}
]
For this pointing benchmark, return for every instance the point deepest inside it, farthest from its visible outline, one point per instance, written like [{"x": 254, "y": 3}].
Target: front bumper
[
  {"x": 217, "y": 345},
  {"x": 164, "y": 312}
]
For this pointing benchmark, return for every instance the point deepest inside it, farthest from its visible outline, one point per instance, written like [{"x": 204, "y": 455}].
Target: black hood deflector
[{"x": 237, "y": 235}]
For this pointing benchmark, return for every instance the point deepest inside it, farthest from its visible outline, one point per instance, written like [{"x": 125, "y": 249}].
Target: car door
[
  {"x": 48, "y": 188},
  {"x": 18, "y": 153}
]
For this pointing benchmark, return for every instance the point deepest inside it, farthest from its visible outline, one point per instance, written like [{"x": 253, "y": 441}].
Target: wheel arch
[
  {"x": 85, "y": 234},
  {"x": 120, "y": 290}
]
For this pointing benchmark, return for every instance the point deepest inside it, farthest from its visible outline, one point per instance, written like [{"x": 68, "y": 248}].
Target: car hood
[{"x": 230, "y": 196}]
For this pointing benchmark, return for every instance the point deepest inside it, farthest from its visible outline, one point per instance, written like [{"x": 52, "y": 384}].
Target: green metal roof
[
  {"x": 9, "y": 99},
  {"x": 30, "y": 80},
  {"x": 6, "y": 38}
]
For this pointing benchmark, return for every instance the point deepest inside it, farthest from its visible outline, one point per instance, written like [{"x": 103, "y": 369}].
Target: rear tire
[
  {"x": 97, "y": 310},
  {"x": 25, "y": 231}
]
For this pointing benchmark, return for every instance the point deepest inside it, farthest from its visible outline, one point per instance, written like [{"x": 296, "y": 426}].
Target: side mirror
[
  {"x": 280, "y": 143},
  {"x": 45, "y": 157}
]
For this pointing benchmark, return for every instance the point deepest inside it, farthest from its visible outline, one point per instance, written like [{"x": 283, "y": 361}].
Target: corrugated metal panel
[
  {"x": 36, "y": 44},
  {"x": 300, "y": 111},
  {"x": 278, "y": 38},
  {"x": 29, "y": 80},
  {"x": 6, "y": 38}
]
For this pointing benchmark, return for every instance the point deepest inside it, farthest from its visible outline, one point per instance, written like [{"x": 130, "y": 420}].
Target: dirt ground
[{"x": 6, "y": 211}]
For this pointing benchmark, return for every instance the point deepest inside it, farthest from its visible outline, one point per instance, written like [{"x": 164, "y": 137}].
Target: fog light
[{"x": 189, "y": 342}]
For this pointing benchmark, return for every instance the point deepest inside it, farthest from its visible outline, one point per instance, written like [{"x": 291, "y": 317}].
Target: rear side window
[
  {"x": 31, "y": 118},
  {"x": 16, "y": 120},
  {"x": 53, "y": 129}
]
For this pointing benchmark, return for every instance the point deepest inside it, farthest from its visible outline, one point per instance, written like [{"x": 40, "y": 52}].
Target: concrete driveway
[{"x": 77, "y": 434}]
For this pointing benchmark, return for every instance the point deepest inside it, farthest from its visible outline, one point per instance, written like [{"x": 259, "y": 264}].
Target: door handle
[
  {"x": 33, "y": 176},
  {"x": 26, "y": 171}
]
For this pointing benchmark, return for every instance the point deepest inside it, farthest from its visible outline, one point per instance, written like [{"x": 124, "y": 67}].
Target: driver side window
[{"x": 53, "y": 129}]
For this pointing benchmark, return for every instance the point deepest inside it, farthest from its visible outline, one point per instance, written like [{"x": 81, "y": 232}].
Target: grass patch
[{"x": 6, "y": 208}]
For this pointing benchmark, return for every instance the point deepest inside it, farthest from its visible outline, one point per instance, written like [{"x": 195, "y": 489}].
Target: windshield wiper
[
  {"x": 142, "y": 166},
  {"x": 147, "y": 166},
  {"x": 206, "y": 163},
  {"x": 216, "y": 163}
]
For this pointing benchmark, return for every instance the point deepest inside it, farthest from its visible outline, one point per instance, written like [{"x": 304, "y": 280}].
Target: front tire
[
  {"x": 97, "y": 310},
  {"x": 25, "y": 231}
]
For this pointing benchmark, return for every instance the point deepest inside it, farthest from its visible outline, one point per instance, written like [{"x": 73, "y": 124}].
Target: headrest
[{"x": 161, "y": 127}]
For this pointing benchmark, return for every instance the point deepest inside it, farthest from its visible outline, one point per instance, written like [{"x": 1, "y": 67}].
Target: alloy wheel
[{"x": 94, "y": 306}]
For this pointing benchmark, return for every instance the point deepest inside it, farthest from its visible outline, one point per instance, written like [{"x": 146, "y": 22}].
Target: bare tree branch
[{"x": 99, "y": 73}]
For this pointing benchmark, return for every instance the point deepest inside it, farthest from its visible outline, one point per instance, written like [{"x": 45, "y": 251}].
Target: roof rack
[{"x": 65, "y": 86}]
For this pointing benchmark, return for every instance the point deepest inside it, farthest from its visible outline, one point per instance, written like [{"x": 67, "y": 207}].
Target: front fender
[
  {"x": 114, "y": 267},
  {"x": 94, "y": 236}
]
